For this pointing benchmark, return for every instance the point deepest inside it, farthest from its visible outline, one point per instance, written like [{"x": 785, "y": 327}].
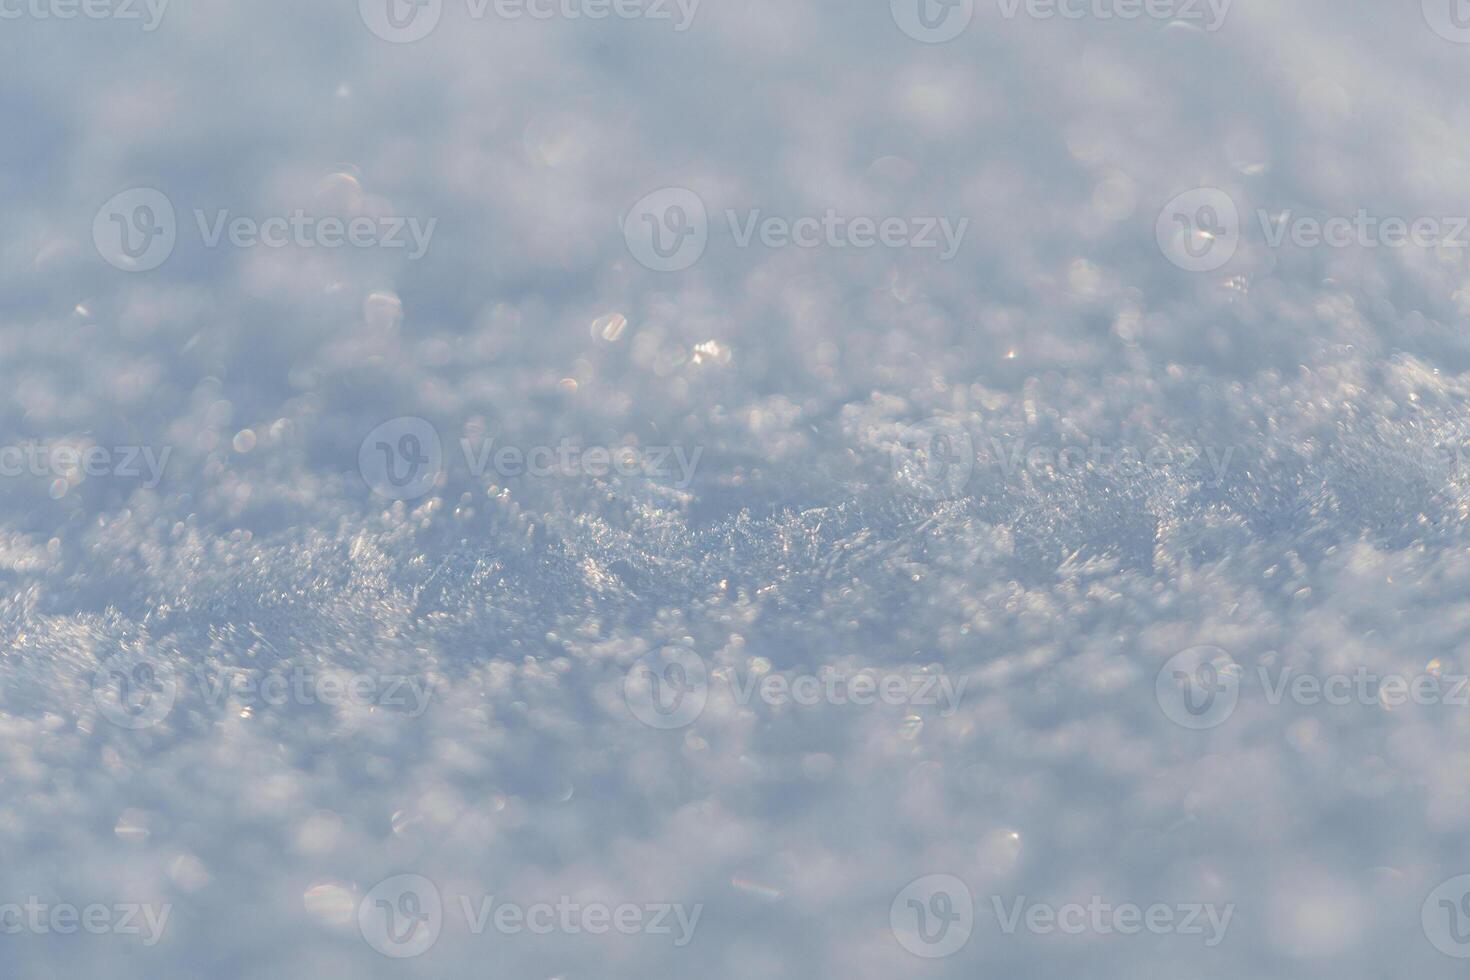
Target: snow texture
[{"x": 1271, "y": 458}]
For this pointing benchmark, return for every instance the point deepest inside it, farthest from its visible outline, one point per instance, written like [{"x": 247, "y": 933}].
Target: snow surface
[{"x": 1333, "y": 539}]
